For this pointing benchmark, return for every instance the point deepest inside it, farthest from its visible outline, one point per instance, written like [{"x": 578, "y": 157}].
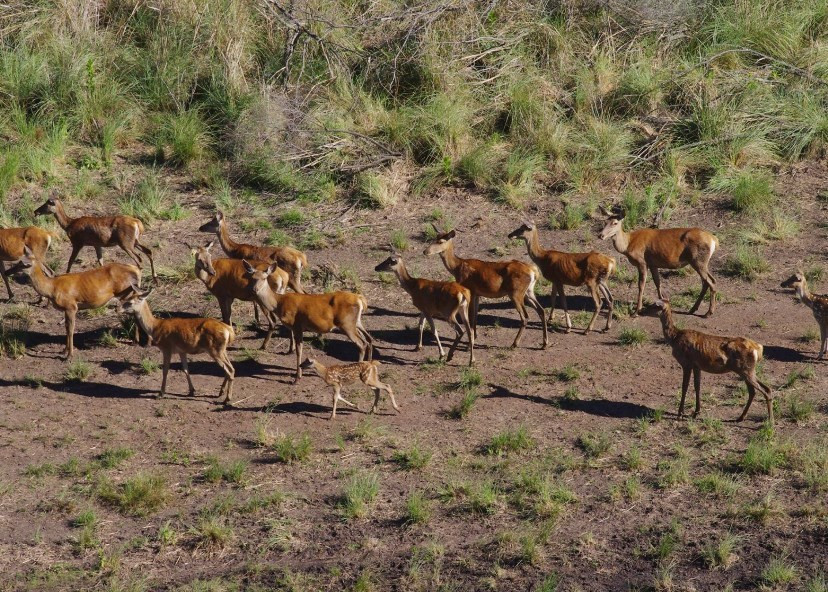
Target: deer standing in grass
[
  {"x": 698, "y": 352},
  {"x": 816, "y": 302},
  {"x": 339, "y": 375},
  {"x": 291, "y": 260},
  {"x": 669, "y": 248},
  {"x": 435, "y": 300},
  {"x": 72, "y": 292},
  {"x": 570, "y": 269},
  {"x": 317, "y": 313},
  {"x": 227, "y": 281},
  {"x": 99, "y": 232},
  {"x": 184, "y": 337},
  {"x": 14, "y": 240},
  {"x": 492, "y": 279}
]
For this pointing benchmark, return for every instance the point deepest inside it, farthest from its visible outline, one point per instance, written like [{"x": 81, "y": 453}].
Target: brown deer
[
  {"x": 435, "y": 300},
  {"x": 72, "y": 292},
  {"x": 291, "y": 260},
  {"x": 669, "y": 248},
  {"x": 99, "y": 232},
  {"x": 318, "y": 313},
  {"x": 184, "y": 337},
  {"x": 227, "y": 281},
  {"x": 698, "y": 352},
  {"x": 337, "y": 376},
  {"x": 817, "y": 303},
  {"x": 570, "y": 269},
  {"x": 492, "y": 279},
  {"x": 14, "y": 240}
]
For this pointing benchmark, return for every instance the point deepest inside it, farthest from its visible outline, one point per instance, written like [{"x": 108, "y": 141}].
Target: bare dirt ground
[{"x": 518, "y": 520}]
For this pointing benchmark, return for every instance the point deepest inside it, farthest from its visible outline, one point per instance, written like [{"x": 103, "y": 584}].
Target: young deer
[
  {"x": 78, "y": 291},
  {"x": 227, "y": 281},
  {"x": 99, "y": 232},
  {"x": 435, "y": 300},
  {"x": 14, "y": 240},
  {"x": 670, "y": 248},
  {"x": 318, "y": 313},
  {"x": 697, "y": 352},
  {"x": 570, "y": 269},
  {"x": 184, "y": 337},
  {"x": 291, "y": 260},
  {"x": 337, "y": 376},
  {"x": 492, "y": 279},
  {"x": 817, "y": 303}
]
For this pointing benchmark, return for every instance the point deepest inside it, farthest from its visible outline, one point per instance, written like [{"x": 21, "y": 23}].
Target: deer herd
[{"x": 261, "y": 275}]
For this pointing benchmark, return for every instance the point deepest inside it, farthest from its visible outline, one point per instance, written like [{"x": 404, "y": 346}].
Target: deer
[
  {"x": 12, "y": 243},
  {"x": 339, "y": 375},
  {"x": 491, "y": 279},
  {"x": 570, "y": 269},
  {"x": 698, "y": 352},
  {"x": 83, "y": 290},
  {"x": 99, "y": 232},
  {"x": 816, "y": 302},
  {"x": 291, "y": 260},
  {"x": 435, "y": 300},
  {"x": 183, "y": 336},
  {"x": 667, "y": 248},
  {"x": 317, "y": 313},
  {"x": 227, "y": 281}
]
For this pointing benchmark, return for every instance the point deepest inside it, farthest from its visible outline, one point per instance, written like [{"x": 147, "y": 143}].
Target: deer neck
[
  {"x": 804, "y": 294},
  {"x": 406, "y": 281},
  {"x": 61, "y": 216},
  {"x": 450, "y": 260},
  {"x": 320, "y": 370},
  {"x": 533, "y": 245},
  {"x": 207, "y": 279},
  {"x": 227, "y": 243},
  {"x": 265, "y": 296},
  {"x": 670, "y": 331},
  {"x": 146, "y": 320},
  {"x": 42, "y": 283},
  {"x": 621, "y": 241}
]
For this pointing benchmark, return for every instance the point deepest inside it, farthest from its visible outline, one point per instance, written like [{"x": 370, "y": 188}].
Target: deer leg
[
  {"x": 6, "y": 280},
  {"x": 148, "y": 252},
  {"x": 354, "y": 335},
  {"x": 226, "y": 306},
  {"x": 642, "y": 281},
  {"x": 610, "y": 302},
  {"x": 596, "y": 298},
  {"x": 685, "y": 383},
  {"x": 338, "y": 397},
  {"x": 369, "y": 341},
  {"x": 766, "y": 392},
  {"x": 751, "y": 393},
  {"x": 75, "y": 250},
  {"x": 521, "y": 309},
  {"x": 711, "y": 283},
  {"x": 421, "y": 323},
  {"x": 656, "y": 281},
  {"x": 298, "y": 337},
  {"x": 167, "y": 355},
  {"x": 99, "y": 255},
  {"x": 132, "y": 254},
  {"x": 697, "y": 386},
  {"x": 464, "y": 314},
  {"x": 823, "y": 340},
  {"x": 458, "y": 330},
  {"x": 475, "y": 307},
  {"x": 533, "y": 301},
  {"x": 565, "y": 308},
  {"x": 271, "y": 326},
  {"x": 436, "y": 335},
  {"x": 553, "y": 297},
  {"x": 256, "y": 314},
  {"x": 229, "y": 375},
  {"x": 186, "y": 370}
]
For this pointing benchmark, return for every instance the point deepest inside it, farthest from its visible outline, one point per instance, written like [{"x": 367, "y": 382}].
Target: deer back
[
  {"x": 715, "y": 354},
  {"x": 319, "y": 312},
  {"x": 103, "y": 231},
  {"x": 494, "y": 279},
  {"x": 439, "y": 299},
  {"x": 231, "y": 279},
  {"x": 95, "y": 287},
  {"x": 192, "y": 336},
  {"x": 12, "y": 241},
  {"x": 346, "y": 373},
  {"x": 671, "y": 248}
]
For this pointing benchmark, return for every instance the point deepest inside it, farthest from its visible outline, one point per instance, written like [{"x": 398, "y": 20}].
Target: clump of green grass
[
  {"x": 77, "y": 371},
  {"x": 182, "y": 137},
  {"x": 137, "y": 496},
  {"x": 571, "y": 217},
  {"x": 147, "y": 200},
  {"x": 778, "y": 571},
  {"x": 233, "y": 472},
  {"x": 213, "y": 532},
  {"x": 721, "y": 553},
  {"x": 798, "y": 409},
  {"x": 510, "y": 441},
  {"x": 413, "y": 458},
  {"x": 568, "y": 373},
  {"x": 594, "y": 445},
  {"x": 470, "y": 381},
  {"x": 717, "y": 484},
  {"x": 417, "y": 509},
  {"x": 761, "y": 457},
  {"x": 745, "y": 263},
  {"x": 112, "y": 458},
  {"x": 484, "y": 499},
  {"x": 750, "y": 190},
  {"x": 148, "y": 366},
  {"x": 632, "y": 337},
  {"x": 399, "y": 240},
  {"x": 290, "y": 450},
  {"x": 360, "y": 491}
]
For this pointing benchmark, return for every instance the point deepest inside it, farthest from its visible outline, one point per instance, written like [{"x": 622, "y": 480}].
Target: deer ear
[
  {"x": 436, "y": 228},
  {"x": 219, "y": 215},
  {"x": 145, "y": 295},
  {"x": 247, "y": 267},
  {"x": 271, "y": 268},
  {"x": 27, "y": 251},
  {"x": 209, "y": 245},
  {"x": 451, "y": 234}
]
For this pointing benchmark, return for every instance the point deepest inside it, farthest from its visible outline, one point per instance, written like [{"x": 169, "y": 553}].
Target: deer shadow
[
  {"x": 780, "y": 353},
  {"x": 599, "y": 407},
  {"x": 97, "y": 390}
]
